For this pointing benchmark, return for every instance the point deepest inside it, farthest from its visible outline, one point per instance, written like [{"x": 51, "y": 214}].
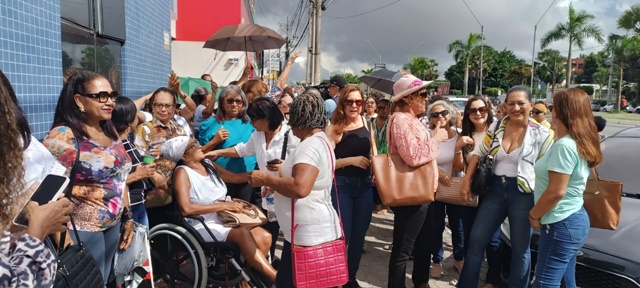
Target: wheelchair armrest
[{"x": 199, "y": 218}]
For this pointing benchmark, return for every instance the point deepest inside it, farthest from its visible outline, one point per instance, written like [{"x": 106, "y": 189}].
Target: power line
[
  {"x": 265, "y": 14},
  {"x": 363, "y": 13}
]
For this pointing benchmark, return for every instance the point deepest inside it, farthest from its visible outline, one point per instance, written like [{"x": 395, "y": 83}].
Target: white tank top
[
  {"x": 445, "y": 159},
  {"x": 204, "y": 190},
  {"x": 507, "y": 164}
]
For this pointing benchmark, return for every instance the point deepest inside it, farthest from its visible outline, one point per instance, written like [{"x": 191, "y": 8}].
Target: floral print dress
[{"x": 100, "y": 178}]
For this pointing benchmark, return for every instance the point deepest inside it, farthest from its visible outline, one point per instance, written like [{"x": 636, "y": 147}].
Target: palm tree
[
  {"x": 576, "y": 30},
  {"x": 518, "y": 74},
  {"x": 367, "y": 71},
  {"x": 422, "y": 67},
  {"x": 462, "y": 52},
  {"x": 623, "y": 48},
  {"x": 551, "y": 70},
  {"x": 630, "y": 19}
]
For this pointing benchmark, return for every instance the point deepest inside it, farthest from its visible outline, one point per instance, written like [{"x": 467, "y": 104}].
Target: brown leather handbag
[
  {"x": 251, "y": 216},
  {"x": 451, "y": 194},
  {"x": 400, "y": 184},
  {"x": 603, "y": 202}
]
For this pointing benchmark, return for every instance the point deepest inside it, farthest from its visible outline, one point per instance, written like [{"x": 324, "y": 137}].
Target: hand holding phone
[
  {"x": 49, "y": 218},
  {"x": 49, "y": 190}
]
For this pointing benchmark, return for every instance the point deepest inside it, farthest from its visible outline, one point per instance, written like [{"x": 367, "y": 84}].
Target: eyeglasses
[
  {"x": 536, "y": 111},
  {"x": 102, "y": 96},
  {"x": 382, "y": 107},
  {"x": 442, "y": 113},
  {"x": 351, "y": 102},
  {"x": 238, "y": 102},
  {"x": 424, "y": 94},
  {"x": 371, "y": 102},
  {"x": 167, "y": 107},
  {"x": 483, "y": 110}
]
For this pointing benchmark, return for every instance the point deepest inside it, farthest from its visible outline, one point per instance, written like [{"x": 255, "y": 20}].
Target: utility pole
[
  {"x": 311, "y": 44},
  {"x": 481, "y": 55},
  {"x": 316, "y": 57}
]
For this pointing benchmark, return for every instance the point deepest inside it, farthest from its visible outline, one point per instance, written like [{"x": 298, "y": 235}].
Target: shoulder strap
[
  {"x": 283, "y": 155},
  {"x": 69, "y": 194},
  {"x": 335, "y": 185},
  {"x": 367, "y": 124}
]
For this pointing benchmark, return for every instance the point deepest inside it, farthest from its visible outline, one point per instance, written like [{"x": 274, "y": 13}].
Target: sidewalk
[{"x": 373, "y": 266}]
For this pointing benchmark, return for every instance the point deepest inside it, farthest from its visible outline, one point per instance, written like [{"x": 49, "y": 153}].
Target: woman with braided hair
[{"x": 307, "y": 178}]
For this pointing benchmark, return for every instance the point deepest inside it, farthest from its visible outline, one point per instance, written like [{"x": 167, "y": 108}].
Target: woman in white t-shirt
[
  {"x": 199, "y": 189},
  {"x": 307, "y": 176}
]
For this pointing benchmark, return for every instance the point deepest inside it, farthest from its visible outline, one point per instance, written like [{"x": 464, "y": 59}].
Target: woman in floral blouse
[{"x": 101, "y": 201}]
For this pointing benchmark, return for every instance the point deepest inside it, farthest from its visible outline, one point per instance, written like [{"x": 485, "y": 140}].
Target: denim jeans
[
  {"x": 558, "y": 249},
  {"x": 492, "y": 251},
  {"x": 436, "y": 217},
  {"x": 139, "y": 212},
  {"x": 503, "y": 200},
  {"x": 408, "y": 222},
  {"x": 102, "y": 245},
  {"x": 356, "y": 198}
]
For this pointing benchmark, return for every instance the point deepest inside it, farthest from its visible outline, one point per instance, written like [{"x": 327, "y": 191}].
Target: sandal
[{"x": 436, "y": 271}]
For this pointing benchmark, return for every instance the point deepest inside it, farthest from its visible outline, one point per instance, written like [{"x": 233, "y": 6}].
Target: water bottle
[
  {"x": 147, "y": 158},
  {"x": 269, "y": 202}
]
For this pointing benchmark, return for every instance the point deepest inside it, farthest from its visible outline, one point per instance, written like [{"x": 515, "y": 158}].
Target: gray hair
[
  {"x": 308, "y": 111},
  {"x": 221, "y": 115},
  {"x": 446, "y": 106}
]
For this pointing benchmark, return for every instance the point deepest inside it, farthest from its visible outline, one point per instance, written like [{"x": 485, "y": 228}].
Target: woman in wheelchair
[{"x": 198, "y": 188}]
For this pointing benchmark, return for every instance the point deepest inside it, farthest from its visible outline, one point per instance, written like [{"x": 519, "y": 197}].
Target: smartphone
[
  {"x": 49, "y": 190},
  {"x": 274, "y": 161}
]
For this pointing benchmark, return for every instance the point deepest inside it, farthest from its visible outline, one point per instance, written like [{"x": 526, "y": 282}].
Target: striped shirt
[{"x": 136, "y": 189}]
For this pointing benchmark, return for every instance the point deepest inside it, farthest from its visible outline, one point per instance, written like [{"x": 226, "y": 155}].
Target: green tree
[
  {"x": 518, "y": 75},
  {"x": 601, "y": 77},
  {"x": 454, "y": 75},
  {"x": 350, "y": 77},
  {"x": 630, "y": 19},
  {"x": 552, "y": 65},
  {"x": 500, "y": 65},
  {"x": 98, "y": 59},
  {"x": 367, "y": 71},
  {"x": 487, "y": 60},
  {"x": 577, "y": 29},
  {"x": 623, "y": 48},
  {"x": 462, "y": 50},
  {"x": 592, "y": 62},
  {"x": 422, "y": 67}
]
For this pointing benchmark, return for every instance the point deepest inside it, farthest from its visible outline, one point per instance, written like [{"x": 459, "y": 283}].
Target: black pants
[
  {"x": 284, "y": 277},
  {"x": 407, "y": 226}
]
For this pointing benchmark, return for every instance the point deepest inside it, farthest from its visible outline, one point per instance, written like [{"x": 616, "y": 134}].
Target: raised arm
[{"x": 284, "y": 76}]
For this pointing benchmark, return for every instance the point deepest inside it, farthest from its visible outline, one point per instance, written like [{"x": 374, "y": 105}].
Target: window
[
  {"x": 77, "y": 11},
  {"x": 111, "y": 19},
  {"x": 105, "y": 17}
]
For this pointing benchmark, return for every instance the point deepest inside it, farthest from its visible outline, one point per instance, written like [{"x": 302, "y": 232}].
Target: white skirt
[{"x": 214, "y": 223}]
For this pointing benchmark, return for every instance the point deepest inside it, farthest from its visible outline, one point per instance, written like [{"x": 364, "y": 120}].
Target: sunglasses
[
  {"x": 351, "y": 102},
  {"x": 424, "y": 94},
  {"x": 168, "y": 107},
  {"x": 238, "y": 102},
  {"x": 102, "y": 96},
  {"x": 382, "y": 107},
  {"x": 442, "y": 113},
  {"x": 482, "y": 110},
  {"x": 371, "y": 102},
  {"x": 536, "y": 111}
]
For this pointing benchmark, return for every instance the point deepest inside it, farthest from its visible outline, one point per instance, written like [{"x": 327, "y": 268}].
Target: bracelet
[
  {"x": 531, "y": 217},
  {"x": 458, "y": 152}
]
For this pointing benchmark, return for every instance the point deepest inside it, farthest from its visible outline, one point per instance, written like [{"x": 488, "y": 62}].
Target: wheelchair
[{"x": 181, "y": 258}]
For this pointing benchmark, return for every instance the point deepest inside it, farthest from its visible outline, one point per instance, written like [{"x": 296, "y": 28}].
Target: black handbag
[
  {"x": 484, "y": 172},
  {"x": 76, "y": 267}
]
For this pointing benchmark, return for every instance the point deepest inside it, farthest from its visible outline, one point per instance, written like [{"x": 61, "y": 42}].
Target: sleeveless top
[
  {"x": 356, "y": 142},
  {"x": 205, "y": 190}
]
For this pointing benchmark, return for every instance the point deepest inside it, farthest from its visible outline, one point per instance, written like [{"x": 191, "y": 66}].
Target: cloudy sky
[{"x": 428, "y": 26}]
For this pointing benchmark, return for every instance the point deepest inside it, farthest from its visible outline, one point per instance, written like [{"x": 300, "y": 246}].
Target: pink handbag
[{"x": 322, "y": 265}]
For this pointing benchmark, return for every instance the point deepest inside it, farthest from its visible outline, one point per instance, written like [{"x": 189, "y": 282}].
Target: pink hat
[{"x": 407, "y": 85}]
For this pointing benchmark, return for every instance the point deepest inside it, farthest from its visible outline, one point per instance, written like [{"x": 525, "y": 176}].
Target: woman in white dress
[{"x": 199, "y": 187}]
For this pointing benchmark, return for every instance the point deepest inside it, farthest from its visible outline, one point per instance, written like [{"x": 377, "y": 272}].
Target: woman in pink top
[{"x": 411, "y": 140}]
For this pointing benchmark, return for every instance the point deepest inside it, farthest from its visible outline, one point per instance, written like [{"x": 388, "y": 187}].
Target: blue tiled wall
[
  {"x": 30, "y": 57},
  {"x": 30, "y": 53},
  {"x": 145, "y": 61}
]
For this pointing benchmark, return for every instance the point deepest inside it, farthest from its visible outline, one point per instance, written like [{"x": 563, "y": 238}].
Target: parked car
[
  {"x": 637, "y": 110},
  {"x": 459, "y": 103},
  {"x": 595, "y": 106},
  {"x": 607, "y": 108},
  {"x": 609, "y": 258}
]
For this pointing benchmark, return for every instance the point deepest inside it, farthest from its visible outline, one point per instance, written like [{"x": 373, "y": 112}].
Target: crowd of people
[{"x": 256, "y": 141}]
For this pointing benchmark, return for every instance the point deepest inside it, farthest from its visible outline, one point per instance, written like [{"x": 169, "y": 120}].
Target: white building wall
[{"x": 189, "y": 59}]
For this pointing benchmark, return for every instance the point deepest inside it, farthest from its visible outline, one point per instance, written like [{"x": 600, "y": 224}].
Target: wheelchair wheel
[{"x": 177, "y": 258}]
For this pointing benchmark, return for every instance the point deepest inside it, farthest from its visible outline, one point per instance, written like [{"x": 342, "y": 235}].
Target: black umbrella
[{"x": 382, "y": 80}]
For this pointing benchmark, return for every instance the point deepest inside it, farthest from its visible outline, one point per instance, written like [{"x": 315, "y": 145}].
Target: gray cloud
[{"x": 396, "y": 30}]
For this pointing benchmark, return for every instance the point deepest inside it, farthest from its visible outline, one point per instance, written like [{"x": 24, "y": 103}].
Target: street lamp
[
  {"x": 481, "y": 44},
  {"x": 533, "y": 53},
  {"x": 374, "y": 50}
]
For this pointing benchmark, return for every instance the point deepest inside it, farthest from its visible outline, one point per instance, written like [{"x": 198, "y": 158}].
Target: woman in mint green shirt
[{"x": 561, "y": 177}]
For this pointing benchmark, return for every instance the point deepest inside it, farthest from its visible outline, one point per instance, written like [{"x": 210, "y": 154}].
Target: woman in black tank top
[{"x": 351, "y": 135}]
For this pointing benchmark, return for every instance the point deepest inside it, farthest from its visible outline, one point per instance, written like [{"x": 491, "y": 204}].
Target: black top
[
  {"x": 138, "y": 188},
  {"x": 356, "y": 142}
]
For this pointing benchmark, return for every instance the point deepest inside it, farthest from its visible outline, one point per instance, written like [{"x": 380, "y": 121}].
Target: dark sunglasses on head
[
  {"x": 482, "y": 110},
  {"x": 442, "y": 113},
  {"x": 102, "y": 96},
  {"x": 351, "y": 102},
  {"x": 536, "y": 111},
  {"x": 238, "y": 102}
]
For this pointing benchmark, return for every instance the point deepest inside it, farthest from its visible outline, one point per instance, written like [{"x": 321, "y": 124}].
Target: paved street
[{"x": 373, "y": 266}]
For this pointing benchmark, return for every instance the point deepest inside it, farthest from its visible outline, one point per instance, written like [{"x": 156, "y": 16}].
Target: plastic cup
[{"x": 148, "y": 159}]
